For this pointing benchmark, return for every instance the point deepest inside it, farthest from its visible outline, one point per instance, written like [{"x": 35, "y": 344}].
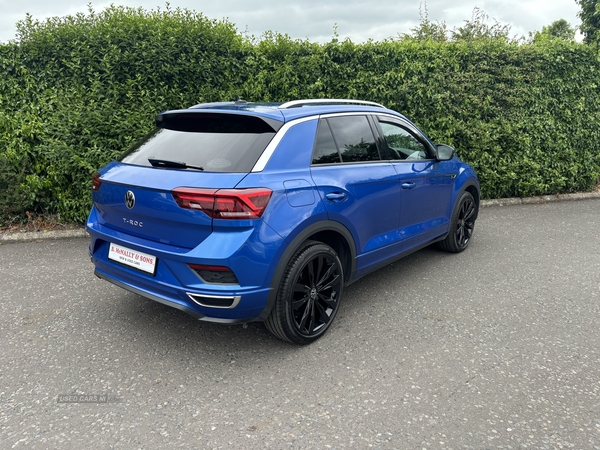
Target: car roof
[{"x": 285, "y": 112}]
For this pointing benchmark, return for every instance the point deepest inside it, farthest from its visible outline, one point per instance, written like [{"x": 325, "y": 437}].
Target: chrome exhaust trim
[{"x": 215, "y": 301}]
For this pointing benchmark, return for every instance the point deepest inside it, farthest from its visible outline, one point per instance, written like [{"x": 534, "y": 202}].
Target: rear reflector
[
  {"x": 224, "y": 203},
  {"x": 214, "y": 274}
]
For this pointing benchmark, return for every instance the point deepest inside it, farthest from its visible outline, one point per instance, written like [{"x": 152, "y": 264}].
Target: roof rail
[{"x": 326, "y": 101}]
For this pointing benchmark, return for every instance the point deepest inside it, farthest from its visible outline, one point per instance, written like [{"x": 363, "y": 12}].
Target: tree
[
  {"x": 474, "y": 29},
  {"x": 477, "y": 28},
  {"x": 427, "y": 30},
  {"x": 590, "y": 20},
  {"x": 559, "y": 29}
]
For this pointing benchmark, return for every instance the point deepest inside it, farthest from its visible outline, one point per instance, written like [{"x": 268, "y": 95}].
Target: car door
[
  {"x": 358, "y": 189},
  {"x": 426, "y": 183}
]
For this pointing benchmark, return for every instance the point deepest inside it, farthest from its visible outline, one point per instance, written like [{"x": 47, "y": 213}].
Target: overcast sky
[{"x": 315, "y": 19}]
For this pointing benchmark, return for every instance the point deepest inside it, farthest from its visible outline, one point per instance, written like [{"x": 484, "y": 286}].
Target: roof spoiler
[{"x": 195, "y": 121}]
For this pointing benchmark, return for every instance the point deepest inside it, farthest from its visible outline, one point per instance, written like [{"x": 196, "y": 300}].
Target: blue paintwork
[
  {"x": 369, "y": 191},
  {"x": 386, "y": 209},
  {"x": 427, "y": 200}
]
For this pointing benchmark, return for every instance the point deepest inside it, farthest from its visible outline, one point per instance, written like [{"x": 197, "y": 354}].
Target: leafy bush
[
  {"x": 76, "y": 91},
  {"x": 13, "y": 201}
]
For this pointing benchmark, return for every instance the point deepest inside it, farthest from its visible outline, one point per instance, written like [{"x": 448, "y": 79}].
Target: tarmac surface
[{"x": 496, "y": 347}]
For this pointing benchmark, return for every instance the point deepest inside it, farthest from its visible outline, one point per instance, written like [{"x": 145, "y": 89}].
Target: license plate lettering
[{"x": 132, "y": 258}]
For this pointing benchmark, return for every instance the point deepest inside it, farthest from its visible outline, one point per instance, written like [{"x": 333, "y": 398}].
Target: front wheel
[
  {"x": 462, "y": 224},
  {"x": 309, "y": 295}
]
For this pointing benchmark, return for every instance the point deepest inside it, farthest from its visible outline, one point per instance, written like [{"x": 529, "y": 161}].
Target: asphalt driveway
[{"x": 497, "y": 347}]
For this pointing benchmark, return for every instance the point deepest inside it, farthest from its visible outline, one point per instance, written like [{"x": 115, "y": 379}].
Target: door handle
[
  {"x": 335, "y": 196},
  {"x": 408, "y": 185}
]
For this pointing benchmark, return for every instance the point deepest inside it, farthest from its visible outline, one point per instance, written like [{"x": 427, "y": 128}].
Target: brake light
[
  {"x": 225, "y": 203},
  {"x": 96, "y": 181}
]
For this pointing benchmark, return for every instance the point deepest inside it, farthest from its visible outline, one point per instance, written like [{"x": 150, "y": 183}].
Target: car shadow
[{"x": 164, "y": 331}]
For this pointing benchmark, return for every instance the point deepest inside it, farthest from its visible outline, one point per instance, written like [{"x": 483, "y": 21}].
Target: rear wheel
[
  {"x": 309, "y": 295},
  {"x": 461, "y": 225}
]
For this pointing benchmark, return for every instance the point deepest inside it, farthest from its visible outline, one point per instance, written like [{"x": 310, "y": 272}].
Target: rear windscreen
[{"x": 204, "y": 141}]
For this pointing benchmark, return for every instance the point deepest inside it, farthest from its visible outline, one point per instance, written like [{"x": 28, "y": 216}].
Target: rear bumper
[
  {"x": 166, "y": 301},
  {"x": 176, "y": 285}
]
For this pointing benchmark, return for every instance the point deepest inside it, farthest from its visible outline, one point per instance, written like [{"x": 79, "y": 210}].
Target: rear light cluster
[
  {"x": 96, "y": 181},
  {"x": 215, "y": 274},
  {"x": 224, "y": 203}
]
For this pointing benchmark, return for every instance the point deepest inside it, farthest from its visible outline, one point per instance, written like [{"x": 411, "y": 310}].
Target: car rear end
[{"x": 169, "y": 223}]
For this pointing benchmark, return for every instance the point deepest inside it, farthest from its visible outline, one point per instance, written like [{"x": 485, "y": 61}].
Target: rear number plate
[{"x": 132, "y": 258}]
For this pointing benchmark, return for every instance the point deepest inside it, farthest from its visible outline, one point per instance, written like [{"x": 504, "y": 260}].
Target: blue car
[{"x": 236, "y": 212}]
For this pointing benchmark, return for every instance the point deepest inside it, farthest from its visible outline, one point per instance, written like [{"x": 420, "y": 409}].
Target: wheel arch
[
  {"x": 329, "y": 232},
  {"x": 473, "y": 189}
]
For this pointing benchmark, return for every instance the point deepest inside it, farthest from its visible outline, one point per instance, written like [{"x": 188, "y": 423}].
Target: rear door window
[
  {"x": 345, "y": 139},
  {"x": 326, "y": 151}
]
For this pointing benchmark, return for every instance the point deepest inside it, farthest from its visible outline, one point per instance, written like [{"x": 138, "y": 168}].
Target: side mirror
[{"x": 445, "y": 152}]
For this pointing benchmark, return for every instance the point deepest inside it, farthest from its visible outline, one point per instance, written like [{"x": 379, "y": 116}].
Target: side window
[
  {"x": 345, "y": 139},
  {"x": 354, "y": 138},
  {"x": 402, "y": 144},
  {"x": 325, "y": 149}
]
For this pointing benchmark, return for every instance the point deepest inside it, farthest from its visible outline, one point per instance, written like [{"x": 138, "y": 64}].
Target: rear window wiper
[{"x": 173, "y": 164}]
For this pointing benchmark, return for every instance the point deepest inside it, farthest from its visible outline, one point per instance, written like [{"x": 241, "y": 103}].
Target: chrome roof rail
[{"x": 327, "y": 101}]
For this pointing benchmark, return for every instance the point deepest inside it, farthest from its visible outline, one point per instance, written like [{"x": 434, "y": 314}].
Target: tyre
[
  {"x": 461, "y": 225},
  {"x": 309, "y": 295}
]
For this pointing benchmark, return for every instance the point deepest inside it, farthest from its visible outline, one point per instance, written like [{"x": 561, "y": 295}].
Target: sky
[{"x": 317, "y": 20}]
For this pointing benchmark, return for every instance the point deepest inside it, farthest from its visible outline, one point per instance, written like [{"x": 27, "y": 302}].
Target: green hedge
[{"x": 76, "y": 91}]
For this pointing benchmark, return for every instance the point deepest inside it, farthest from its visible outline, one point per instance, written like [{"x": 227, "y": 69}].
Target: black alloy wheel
[
  {"x": 461, "y": 225},
  {"x": 309, "y": 295}
]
